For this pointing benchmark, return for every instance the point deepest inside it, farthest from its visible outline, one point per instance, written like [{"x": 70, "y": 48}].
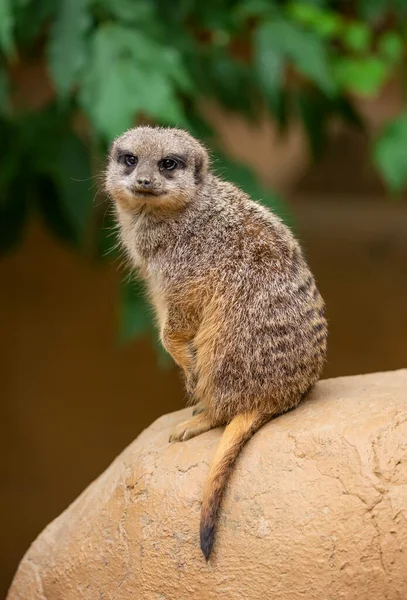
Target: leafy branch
[{"x": 111, "y": 65}]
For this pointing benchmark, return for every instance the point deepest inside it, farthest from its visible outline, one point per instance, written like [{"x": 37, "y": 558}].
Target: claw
[{"x": 176, "y": 437}]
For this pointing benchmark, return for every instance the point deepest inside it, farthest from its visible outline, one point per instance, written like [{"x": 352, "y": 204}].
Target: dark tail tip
[{"x": 207, "y": 535}]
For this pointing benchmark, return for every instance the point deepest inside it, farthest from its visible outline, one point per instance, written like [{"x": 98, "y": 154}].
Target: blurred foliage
[{"x": 113, "y": 64}]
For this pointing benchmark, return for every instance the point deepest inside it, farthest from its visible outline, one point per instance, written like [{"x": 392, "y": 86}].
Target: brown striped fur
[{"x": 236, "y": 304}]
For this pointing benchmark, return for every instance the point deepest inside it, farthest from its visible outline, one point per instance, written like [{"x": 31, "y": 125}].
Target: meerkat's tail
[{"x": 236, "y": 434}]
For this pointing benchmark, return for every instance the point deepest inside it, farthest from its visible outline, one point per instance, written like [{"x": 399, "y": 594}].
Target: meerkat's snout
[
  {"x": 142, "y": 179},
  {"x": 143, "y": 182}
]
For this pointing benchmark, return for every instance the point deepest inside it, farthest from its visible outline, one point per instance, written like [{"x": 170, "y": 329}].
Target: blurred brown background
[{"x": 72, "y": 399}]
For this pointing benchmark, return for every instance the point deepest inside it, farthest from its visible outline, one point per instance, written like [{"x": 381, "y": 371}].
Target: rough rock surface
[{"x": 315, "y": 509}]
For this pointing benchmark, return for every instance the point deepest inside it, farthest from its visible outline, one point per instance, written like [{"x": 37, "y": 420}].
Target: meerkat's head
[{"x": 155, "y": 167}]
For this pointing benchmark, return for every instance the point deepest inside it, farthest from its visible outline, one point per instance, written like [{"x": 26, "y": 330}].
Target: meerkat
[{"x": 236, "y": 304}]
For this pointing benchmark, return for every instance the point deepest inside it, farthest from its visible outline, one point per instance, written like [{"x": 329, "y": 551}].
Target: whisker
[
  {"x": 86, "y": 178},
  {"x": 110, "y": 250}
]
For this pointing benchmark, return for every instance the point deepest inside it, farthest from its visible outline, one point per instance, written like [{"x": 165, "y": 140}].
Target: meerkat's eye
[
  {"x": 128, "y": 159},
  {"x": 168, "y": 164}
]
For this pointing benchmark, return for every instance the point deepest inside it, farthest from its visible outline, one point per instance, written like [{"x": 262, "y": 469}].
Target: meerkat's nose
[{"x": 144, "y": 181}]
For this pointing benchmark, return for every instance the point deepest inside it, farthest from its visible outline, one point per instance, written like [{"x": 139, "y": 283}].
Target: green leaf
[
  {"x": 137, "y": 12},
  {"x": 142, "y": 77},
  {"x": 280, "y": 106},
  {"x": 314, "y": 109},
  {"x": 174, "y": 66},
  {"x": 361, "y": 76},
  {"x": 255, "y": 8},
  {"x": 278, "y": 40},
  {"x": 390, "y": 154},
  {"x": 244, "y": 178},
  {"x": 400, "y": 7},
  {"x": 6, "y": 25},
  {"x": 357, "y": 37},
  {"x": 227, "y": 78},
  {"x": 270, "y": 64},
  {"x": 160, "y": 101},
  {"x": 199, "y": 127},
  {"x": 75, "y": 183},
  {"x": 326, "y": 23},
  {"x": 53, "y": 212},
  {"x": 310, "y": 57},
  {"x": 67, "y": 44},
  {"x": 32, "y": 19},
  {"x": 372, "y": 10},
  {"x": 13, "y": 214},
  {"x": 4, "y": 92},
  {"x": 345, "y": 109},
  {"x": 391, "y": 46},
  {"x": 134, "y": 312}
]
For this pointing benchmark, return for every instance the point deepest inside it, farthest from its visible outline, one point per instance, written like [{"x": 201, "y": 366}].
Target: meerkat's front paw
[
  {"x": 177, "y": 434},
  {"x": 189, "y": 429}
]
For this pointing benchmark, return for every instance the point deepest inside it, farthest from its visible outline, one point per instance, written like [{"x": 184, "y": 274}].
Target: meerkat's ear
[{"x": 201, "y": 164}]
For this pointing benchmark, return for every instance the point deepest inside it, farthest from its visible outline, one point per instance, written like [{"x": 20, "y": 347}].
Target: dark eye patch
[
  {"x": 168, "y": 164},
  {"x": 126, "y": 158},
  {"x": 172, "y": 162}
]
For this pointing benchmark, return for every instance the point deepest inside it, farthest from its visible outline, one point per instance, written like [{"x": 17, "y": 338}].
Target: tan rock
[{"x": 315, "y": 509}]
